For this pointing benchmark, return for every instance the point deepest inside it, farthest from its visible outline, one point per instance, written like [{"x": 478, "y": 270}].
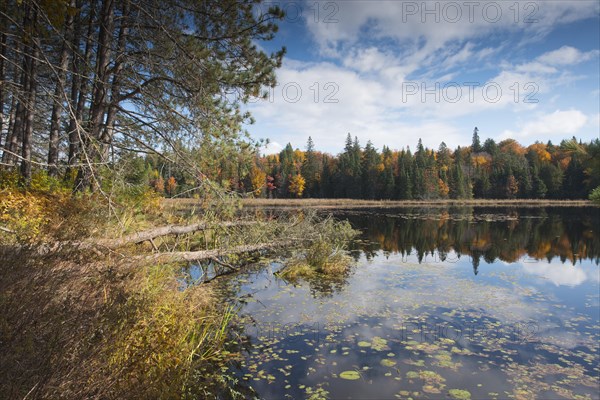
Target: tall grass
[
  {"x": 164, "y": 335},
  {"x": 101, "y": 329},
  {"x": 87, "y": 325}
]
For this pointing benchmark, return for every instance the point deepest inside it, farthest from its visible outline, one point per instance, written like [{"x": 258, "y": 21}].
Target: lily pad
[
  {"x": 412, "y": 375},
  {"x": 460, "y": 394},
  {"x": 379, "y": 344},
  {"x": 386, "y": 362},
  {"x": 350, "y": 375}
]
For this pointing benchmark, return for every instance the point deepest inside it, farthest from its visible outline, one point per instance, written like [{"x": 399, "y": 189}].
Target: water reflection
[
  {"x": 412, "y": 320},
  {"x": 562, "y": 275},
  {"x": 509, "y": 235}
]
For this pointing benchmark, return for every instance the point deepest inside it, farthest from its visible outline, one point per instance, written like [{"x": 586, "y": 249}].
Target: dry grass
[
  {"x": 71, "y": 327},
  {"x": 81, "y": 324}
]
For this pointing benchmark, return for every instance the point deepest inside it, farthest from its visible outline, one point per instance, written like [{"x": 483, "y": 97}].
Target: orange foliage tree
[{"x": 171, "y": 186}]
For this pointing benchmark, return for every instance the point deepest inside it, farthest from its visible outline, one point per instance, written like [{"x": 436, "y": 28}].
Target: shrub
[
  {"x": 22, "y": 217},
  {"x": 326, "y": 254},
  {"x": 595, "y": 195}
]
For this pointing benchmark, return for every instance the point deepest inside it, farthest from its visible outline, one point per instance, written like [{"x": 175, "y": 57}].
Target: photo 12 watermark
[
  {"x": 520, "y": 332},
  {"x": 471, "y": 12},
  {"x": 451, "y": 12},
  {"x": 454, "y": 92},
  {"x": 326, "y": 12},
  {"x": 294, "y": 92}
]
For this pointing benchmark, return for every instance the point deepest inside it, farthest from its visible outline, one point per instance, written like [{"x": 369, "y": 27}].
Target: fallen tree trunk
[
  {"x": 134, "y": 238},
  {"x": 178, "y": 256},
  {"x": 143, "y": 236}
]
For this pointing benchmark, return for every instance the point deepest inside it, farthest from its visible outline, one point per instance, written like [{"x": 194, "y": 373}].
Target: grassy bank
[
  {"x": 93, "y": 304},
  {"x": 352, "y": 203},
  {"x": 84, "y": 321}
]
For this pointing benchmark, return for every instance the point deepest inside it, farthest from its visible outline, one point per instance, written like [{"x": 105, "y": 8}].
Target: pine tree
[
  {"x": 310, "y": 169},
  {"x": 476, "y": 144},
  {"x": 370, "y": 164}
]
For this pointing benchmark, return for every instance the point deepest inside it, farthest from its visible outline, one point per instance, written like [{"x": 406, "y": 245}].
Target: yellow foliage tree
[
  {"x": 481, "y": 160},
  {"x": 258, "y": 179},
  {"x": 157, "y": 182},
  {"x": 297, "y": 184},
  {"x": 540, "y": 149}
]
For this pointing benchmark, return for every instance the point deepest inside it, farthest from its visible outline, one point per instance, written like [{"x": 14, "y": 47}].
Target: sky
[{"x": 395, "y": 71}]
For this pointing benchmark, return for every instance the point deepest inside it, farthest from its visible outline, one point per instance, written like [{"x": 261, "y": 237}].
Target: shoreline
[{"x": 356, "y": 203}]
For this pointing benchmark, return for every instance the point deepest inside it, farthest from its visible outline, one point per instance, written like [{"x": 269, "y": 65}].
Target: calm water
[{"x": 459, "y": 303}]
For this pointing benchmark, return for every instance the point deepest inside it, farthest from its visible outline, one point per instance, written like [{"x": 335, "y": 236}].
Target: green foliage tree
[
  {"x": 310, "y": 170},
  {"x": 129, "y": 76},
  {"x": 476, "y": 144},
  {"x": 595, "y": 195},
  {"x": 370, "y": 165}
]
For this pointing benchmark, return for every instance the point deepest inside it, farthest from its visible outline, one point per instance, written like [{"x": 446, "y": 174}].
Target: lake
[{"x": 440, "y": 303}]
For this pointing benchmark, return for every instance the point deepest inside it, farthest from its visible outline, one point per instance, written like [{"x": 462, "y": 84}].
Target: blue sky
[{"x": 396, "y": 71}]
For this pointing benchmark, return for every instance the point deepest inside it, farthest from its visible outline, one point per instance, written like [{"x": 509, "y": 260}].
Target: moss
[{"x": 296, "y": 271}]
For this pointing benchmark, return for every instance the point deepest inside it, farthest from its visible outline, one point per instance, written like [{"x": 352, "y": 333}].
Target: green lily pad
[
  {"x": 460, "y": 394},
  {"x": 379, "y": 344},
  {"x": 350, "y": 375},
  {"x": 364, "y": 344},
  {"x": 412, "y": 375},
  {"x": 386, "y": 362}
]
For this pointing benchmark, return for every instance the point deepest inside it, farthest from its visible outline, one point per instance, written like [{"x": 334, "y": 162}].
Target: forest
[{"x": 488, "y": 170}]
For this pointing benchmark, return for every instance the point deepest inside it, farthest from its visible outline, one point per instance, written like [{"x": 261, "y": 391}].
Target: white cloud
[
  {"x": 566, "y": 55},
  {"x": 562, "y": 275},
  {"x": 375, "y": 49},
  {"x": 326, "y": 101},
  {"x": 536, "y": 67},
  {"x": 419, "y": 34},
  {"x": 271, "y": 148},
  {"x": 561, "y": 122},
  {"x": 365, "y": 107}
]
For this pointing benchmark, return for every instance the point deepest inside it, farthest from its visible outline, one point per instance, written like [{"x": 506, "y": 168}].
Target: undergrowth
[
  {"x": 100, "y": 325},
  {"x": 46, "y": 209},
  {"x": 80, "y": 324},
  {"x": 105, "y": 330}
]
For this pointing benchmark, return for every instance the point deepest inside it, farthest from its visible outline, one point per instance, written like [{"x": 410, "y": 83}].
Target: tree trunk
[
  {"x": 58, "y": 101},
  {"x": 3, "y": 78},
  {"x": 31, "y": 54},
  {"x": 140, "y": 237},
  {"x": 7, "y": 158},
  {"x": 178, "y": 256},
  {"x": 15, "y": 138},
  {"x": 79, "y": 84},
  {"x": 98, "y": 106},
  {"x": 115, "y": 94}
]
